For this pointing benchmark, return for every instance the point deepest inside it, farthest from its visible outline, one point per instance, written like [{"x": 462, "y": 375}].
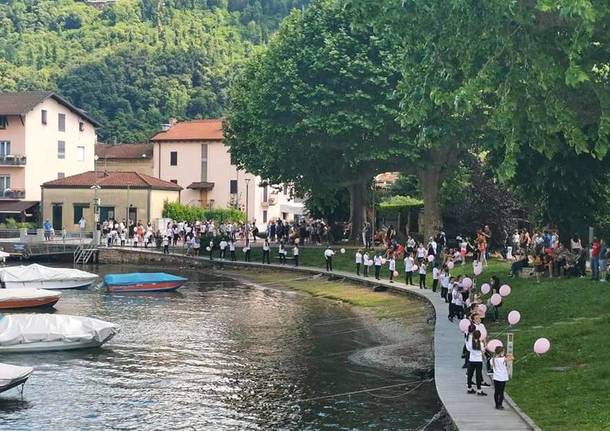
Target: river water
[{"x": 216, "y": 355}]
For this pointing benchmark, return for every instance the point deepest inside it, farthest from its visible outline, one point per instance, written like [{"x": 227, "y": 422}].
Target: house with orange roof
[
  {"x": 193, "y": 155},
  {"x": 121, "y": 196}
]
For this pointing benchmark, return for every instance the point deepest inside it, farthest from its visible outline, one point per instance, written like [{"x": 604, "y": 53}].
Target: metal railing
[
  {"x": 12, "y": 160},
  {"x": 12, "y": 194}
]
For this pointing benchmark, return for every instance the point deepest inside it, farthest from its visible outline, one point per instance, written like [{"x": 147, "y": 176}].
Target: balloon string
[
  {"x": 503, "y": 331},
  {"x": 522, "y": 358}
]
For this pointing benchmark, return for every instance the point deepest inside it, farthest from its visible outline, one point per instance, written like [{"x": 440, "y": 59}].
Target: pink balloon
[
  {"x": 430, "y": 258},
  {"x": 450, "y": 265},
  {"x": 467, "y": 283},
  {"x": 492, "y": 344},
  {"x": 505, "y": 290},
  {"x": 482, "y": 309},
  {"x": 383, "y": 261},
  {"x": 415, "y": 268},
  {"x": 395, "y": 273},
  {"x": 478, "y": 270},
  {"x": 485, "y": 288},
  {"x": 496, "y": 299},
  {"x": 483, "y": 332},
  {"x": 514, "y": 317},
  {"x": 541, "y": 346},
  {"x": 468, "y": 302},
  {"x": 464, "y": 325}
]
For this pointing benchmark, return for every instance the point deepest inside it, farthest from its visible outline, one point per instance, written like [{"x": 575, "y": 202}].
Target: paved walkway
[{"x": 469, "y": 412}]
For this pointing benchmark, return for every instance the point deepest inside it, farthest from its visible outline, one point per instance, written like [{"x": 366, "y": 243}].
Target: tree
[{"x": 316, "y": 108}]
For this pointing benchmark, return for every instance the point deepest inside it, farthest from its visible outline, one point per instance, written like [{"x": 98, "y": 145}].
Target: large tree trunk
[
  {"x": 358, "y": 193},
  {"x": 430, "y": 180}
]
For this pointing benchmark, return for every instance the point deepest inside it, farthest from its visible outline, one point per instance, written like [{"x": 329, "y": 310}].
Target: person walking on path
[
  {"x": 295, "y": 254},
  {"x": 358, "y": 262},
  {"x": 422, "y": 275},
  {"x": 409, "y": 269},
  {"x": 499, "y": 364},
  {"x": 435, "y": 277},
  {"x": 377, "y": 262},
  {"x": 328, "y": 255},
  {"x": 475, "y": 347},
  {"x": 266, "y": 249}
]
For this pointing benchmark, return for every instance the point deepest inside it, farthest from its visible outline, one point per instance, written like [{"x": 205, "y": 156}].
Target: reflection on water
[{"x": 213, "y": 356}]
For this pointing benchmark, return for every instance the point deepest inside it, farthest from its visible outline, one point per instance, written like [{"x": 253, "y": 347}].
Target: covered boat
[
  {"x": 48, "y": 332},
  {"x": 143, "y": 282},
  {"x": 27, "y": 298},
  {"x": 44, "y": 277},
  {"x": 12, "y": 376}
]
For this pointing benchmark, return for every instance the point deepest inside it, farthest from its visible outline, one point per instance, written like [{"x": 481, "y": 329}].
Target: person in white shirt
[
  {"x": 475, "y": 347},
  {"x": 247, "y": 250},
  {"x": 365, "y": 263},
  {"x": 358, "y": 261},
  {"x": 165, "y": 243},
  {"x": 295, "y": 254},
  {"x": 196, "y": 244},
  {"x": 232, "y": 250},
  {"x": 377, "y": 263},
  {"x": 500, "y": 365},
  {"x": 223, "y": 246},
  {"x": 422, "y": 275},
  {"x": 328, "y": 255},
  {"x": 392, "y": 267},
  {"x": 266, "y": 249},
  {"x": 409, "y": 269},
  {"x": 211, "y": 249},
  {"x": 445, "y": 283},
  {"x": 421, "y": 253},
  {"x": 282, "y": 252},
  {"x": 435, "y": 276}
]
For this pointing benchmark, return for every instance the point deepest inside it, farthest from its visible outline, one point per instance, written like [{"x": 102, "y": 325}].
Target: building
[
  {"x": 124, "y": 157},
  {"x": 122, "y": 196},
  {"x": 42, "y": 137},
  {"x": 192, "y": 154}
]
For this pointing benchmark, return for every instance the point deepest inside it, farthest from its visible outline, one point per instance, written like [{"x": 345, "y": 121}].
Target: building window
[
  {"x": 5, "y": 184},
  {"x": 61, "y": 175},
  {"x": 285, "y": 190},
  {"x": 79, "y": 210},
  {"x": 61, "y": 122},
  {"x": 5, "y": 148},
  {"x": 61, "y": 149},
  {"x": 173, "y": 181},
  {"x": 3, "y": 121},
  {"x": 284, "y": 216},
  {"x": 80, "y": 153},
  {"x": 265, "y": 194},
  {"x": 264, "y": 216},
  {"x": 81, "y": 126},
  {"x": 204, "y": 162},
  {"x": 233, "y": 187},
  {"x": 173, "y": 158},
  {"x": 43, "y": 116}
]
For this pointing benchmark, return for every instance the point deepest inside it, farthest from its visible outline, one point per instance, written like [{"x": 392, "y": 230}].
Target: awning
[
  {"x": 17, "y": 207},
  {"x": 203, "y": 185}
]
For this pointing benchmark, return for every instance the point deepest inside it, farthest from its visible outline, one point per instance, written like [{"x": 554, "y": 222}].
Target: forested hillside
[{"x": 135, "y": 63}]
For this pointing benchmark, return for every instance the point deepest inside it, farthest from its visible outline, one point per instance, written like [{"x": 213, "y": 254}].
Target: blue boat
[{"x": 143, "y": 282}]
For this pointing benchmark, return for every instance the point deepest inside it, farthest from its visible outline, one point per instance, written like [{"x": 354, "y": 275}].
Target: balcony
[
  {"x": 12, "y": 194},
  {"x": 12, "y": 160}
]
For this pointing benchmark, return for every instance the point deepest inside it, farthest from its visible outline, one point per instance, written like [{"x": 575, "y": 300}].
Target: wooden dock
[{"x": 468, "y": 412}]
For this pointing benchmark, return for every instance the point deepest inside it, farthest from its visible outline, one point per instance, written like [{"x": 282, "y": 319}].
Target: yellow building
[
  {"x": 124, "y": 158},
  {"x": 122, "y": 196}
]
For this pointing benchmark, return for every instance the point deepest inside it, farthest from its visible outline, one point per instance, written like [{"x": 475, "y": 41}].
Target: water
[{"x": 214, "y": 356}]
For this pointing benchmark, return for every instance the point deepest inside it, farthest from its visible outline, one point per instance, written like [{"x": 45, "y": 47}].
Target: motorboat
[
  {"x": 12, "y": 376},
  {"x": 44, "y": 277},
  {"x": 143, "y": 282},
  {"x": 50, "y": 332},
  {"x": 27, "y": 298}
]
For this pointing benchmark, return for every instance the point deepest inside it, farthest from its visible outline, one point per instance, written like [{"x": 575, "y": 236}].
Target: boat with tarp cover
[
  {"x": 143, "y": 282},
  {"x": 44, "y": 277},
  {"x": 11, "y": 299},
  {"x": 12, "y": 376}
]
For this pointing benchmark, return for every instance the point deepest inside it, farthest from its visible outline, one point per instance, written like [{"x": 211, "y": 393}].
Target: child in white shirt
[
  {"x": 358, "y": 262},
  {"x": 422, "y": 275}
]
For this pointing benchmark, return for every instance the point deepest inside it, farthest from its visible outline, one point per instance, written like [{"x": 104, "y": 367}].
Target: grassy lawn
[{"x": 566, "y": 389}]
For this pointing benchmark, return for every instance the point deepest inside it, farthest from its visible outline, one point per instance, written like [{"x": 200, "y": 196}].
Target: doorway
[
  {"x": 58, "y": 217},
  {"x": 132, "y": 216}
]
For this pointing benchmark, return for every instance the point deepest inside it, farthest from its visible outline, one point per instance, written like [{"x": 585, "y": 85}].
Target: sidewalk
[{"x": 468, "y": 412}]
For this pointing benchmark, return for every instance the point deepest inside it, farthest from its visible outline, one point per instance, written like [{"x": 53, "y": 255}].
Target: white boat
[
  {"x": 44, "y": 277},
  {"x": 49, "y": 332},
  {"x": 12, "y": 376},
  {"x": 27, "y": 298}
]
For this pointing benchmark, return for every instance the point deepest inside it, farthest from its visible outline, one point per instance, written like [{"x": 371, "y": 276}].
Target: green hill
[{"x": 134, "y": 63}]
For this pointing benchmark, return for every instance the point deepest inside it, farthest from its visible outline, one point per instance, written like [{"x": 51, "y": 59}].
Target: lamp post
[
  {"x": 96, "y": 213},
  {"x": 248, "y": 200}
]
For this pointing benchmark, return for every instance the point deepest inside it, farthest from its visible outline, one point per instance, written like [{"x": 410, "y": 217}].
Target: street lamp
[
  {"x": 248, "y": 200},
  {"x": 96, "y": 213}
]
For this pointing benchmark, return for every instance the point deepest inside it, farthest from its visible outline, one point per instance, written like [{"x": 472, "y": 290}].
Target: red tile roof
[
  {"x": 196, "y": 130},
  {"x": 124, "y": 151},
  {"x": 118, "y": 180}
]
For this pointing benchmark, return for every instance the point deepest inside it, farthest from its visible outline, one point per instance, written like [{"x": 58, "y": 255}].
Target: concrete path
[{"x": 469, "y": 412}]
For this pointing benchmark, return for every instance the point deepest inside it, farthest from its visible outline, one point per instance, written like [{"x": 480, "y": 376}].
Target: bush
[{"x": 189, "y": 213}]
